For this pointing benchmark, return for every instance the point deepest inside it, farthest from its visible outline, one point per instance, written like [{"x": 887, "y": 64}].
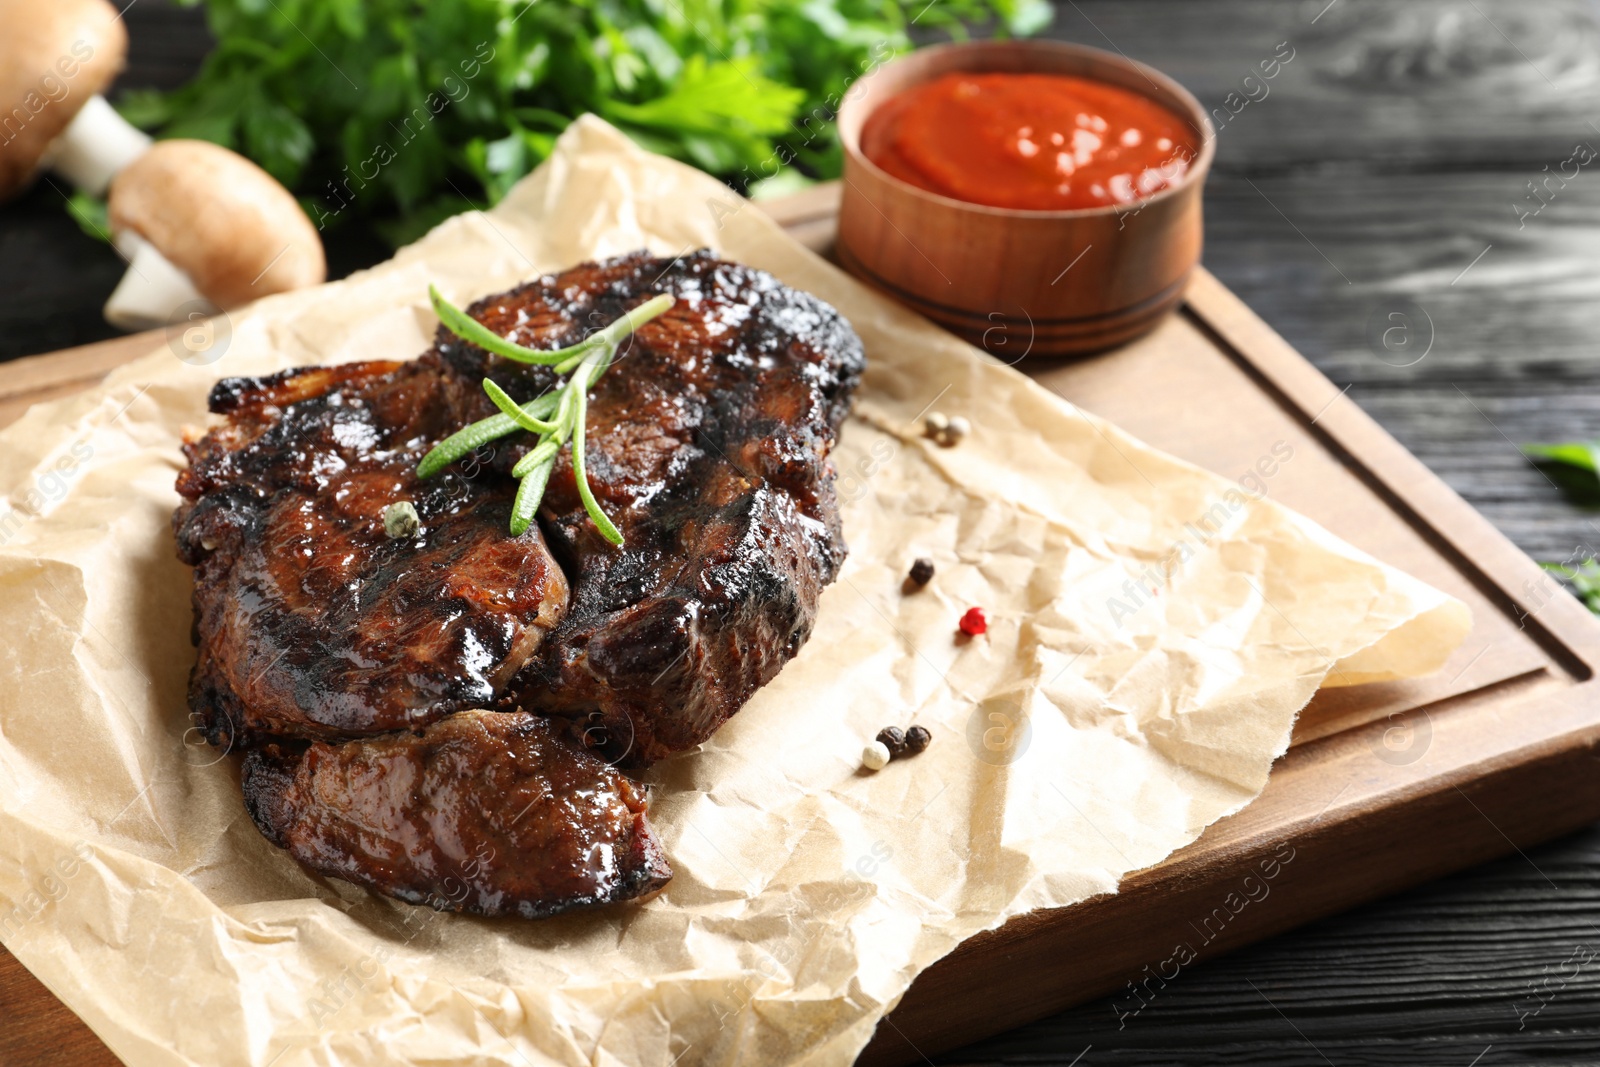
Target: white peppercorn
[{"x": 400, "y": 520}]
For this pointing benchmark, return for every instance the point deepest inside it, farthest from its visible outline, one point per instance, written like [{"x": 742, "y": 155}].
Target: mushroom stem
[
  {"x": 95, "y": 146},
  {"x": 152, "y": 290}
]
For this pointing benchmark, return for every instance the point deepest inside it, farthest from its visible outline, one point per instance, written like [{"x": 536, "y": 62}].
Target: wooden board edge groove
[
  {"x": 1030, "y": 969},
  {"x": 1562, "y": 626},
  {"x": 1537, "y": 789}
]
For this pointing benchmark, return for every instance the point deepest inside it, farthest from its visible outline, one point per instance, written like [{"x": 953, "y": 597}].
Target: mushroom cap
[
  {"x": 55, "y": 55},
  {"x": 219, "y": 218}
]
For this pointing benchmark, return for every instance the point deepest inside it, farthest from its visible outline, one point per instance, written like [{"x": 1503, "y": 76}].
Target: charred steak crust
[
  {"x": 709, "y": 446},
  {"x": 351, "y": 669},
  {"x": 483, "y": 812},
  {"x": 311, "y": 622}
]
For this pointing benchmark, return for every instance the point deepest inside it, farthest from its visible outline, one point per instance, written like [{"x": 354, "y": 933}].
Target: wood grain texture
[
  {"x": 1512, "y": 356},
  {"x": 38, "y": 1030},
  {"x": 1508, "y": 758},
  {"x": 1401, "y": 182},
  {"x": 1375, "y": 85},
  {"x": 1475, "y": 965}
]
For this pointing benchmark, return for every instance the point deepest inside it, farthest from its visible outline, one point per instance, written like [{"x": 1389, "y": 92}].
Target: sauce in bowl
[{"x": 1031, "y": 142}]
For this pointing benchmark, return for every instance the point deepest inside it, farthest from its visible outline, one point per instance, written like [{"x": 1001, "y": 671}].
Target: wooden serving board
[{"x": 1384, "y": 785}]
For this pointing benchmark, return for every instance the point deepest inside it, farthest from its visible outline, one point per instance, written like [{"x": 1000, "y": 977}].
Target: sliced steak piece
[
  {"x": 356, "y": 671},
  {"x": 482, "y": 812},
  {"x": 311, "y": 622},
  {"x": 708, "y": 445}
]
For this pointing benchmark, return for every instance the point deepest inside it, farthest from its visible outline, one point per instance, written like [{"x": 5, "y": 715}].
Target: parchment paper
[{"x": 1153, "y": 631}]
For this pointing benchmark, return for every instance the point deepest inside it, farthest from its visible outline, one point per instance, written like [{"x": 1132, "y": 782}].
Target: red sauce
[{"x": 1037, "y": 142}]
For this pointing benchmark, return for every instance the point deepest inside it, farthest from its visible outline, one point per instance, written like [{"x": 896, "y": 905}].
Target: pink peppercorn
[{"x": 973, "y": 623}]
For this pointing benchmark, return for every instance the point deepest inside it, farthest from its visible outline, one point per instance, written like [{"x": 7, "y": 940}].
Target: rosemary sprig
[
  {"x": 558, "y": 417},
  {"x": 467, "y": 441}
]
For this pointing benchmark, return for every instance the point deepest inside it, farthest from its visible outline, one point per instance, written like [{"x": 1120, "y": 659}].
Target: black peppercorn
[
  {"x": 922, "y": 571},
  {"x": 893, "y": 739},
  {"x": 917, "y": 739}
]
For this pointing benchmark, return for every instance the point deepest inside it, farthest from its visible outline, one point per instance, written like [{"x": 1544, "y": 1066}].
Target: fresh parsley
[
  {"x": 1576, "y": 465},
  {"x": 408, "y": 111},
  {"x": 1584, "y": 579}
]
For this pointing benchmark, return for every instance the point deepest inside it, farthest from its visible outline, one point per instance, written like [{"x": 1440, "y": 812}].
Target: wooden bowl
[{"x": 1022, "y": 282}]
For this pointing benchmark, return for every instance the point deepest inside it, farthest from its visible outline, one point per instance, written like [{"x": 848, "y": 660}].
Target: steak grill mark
[{"x": 323, "y": 644}]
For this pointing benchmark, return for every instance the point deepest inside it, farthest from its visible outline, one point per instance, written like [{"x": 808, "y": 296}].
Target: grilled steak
[
  {"x": 311, "y": 622},
  {"x": 356, "y": 670},
  {"x": 483, "y": 812},
  {"x": 709, "y": 446}
]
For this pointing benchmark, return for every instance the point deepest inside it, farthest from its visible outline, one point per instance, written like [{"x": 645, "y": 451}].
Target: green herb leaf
[
  {"x": 471, "y": 330},
  {"x": 390, "y": 107},
  {"x": 275, "y": 134},
  {"x": 710, "y": 96},
  {"x": 89, "y": 213},
  {"x": 1584, "y": 578},
  {"x": 514, "y": 411},
  {"x": 585, "y": 362},
  {"x": 1584, "y": 455},
  {"x": 465, "y": 442},
  {"x": 529, "y": 494},
  {"x": 602, "y": 522},
  {"x": 145, "y": 108}
]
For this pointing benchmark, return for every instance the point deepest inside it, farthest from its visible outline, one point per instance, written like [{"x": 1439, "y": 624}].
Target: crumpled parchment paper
[{"x": 1153, "y": 631}]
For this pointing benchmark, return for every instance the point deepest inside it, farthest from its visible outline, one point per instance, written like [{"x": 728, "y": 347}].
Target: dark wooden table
[{"x": 1384, "y": 171}]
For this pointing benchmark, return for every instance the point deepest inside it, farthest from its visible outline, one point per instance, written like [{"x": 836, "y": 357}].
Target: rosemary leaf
[
  {"x": 513, "y": 410},
  {"x": 469, "y": 440},
  {"x": 530, "y": 492},
  {"x": 583, "y": 364},
  {"x": 545, "y": 452},
  {"x": 602, "y": 522},
  {"x": 471, "y": 330}
]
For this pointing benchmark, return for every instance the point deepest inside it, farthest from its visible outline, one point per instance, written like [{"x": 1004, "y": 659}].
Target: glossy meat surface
[
  {"x": 311, "y": 621},
  {"x": 427, "y": 716},
  {"x": 483, "y": 812},
  {"x": 709, "y": 446}
]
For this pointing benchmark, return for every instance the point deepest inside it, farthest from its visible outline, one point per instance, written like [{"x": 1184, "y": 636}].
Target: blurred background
[{"x": 1433, "y": 160}]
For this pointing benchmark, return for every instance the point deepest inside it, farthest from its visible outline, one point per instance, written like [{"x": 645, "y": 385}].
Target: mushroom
[
  {"x": 197, "y": 221},
  {"x": 56, "y": 57}
]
